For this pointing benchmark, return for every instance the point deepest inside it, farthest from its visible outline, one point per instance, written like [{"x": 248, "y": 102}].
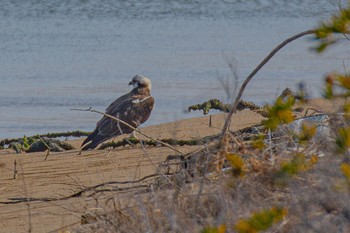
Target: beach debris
[
  {"x": 316, "y": 129},
  {"x": 16, "y": 146},
  {"x": 320, "y": 122},
  {"x": 37, "y": 144},
  {"x": 53, "y": 145},
  {"x": 216, "y": 104},
  {"x": 5, "y": 143}
]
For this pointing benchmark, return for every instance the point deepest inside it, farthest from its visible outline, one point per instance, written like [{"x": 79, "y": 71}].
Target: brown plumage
[{"x": 134, "y": 108}]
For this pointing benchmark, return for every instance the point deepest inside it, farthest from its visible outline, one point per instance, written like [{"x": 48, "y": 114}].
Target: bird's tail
[{"x": 92, "y": 141}]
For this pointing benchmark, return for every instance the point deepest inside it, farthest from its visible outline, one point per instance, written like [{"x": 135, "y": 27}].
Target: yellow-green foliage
[
  {"x": 26, "y": 143},
  {"x": 343, "y": 139},
  {"x": 218, "y": 229},
  {"x": 346, "y": 110},
  {"x": 280, "y": 113},
  {"x": 336, "y": 82},
  {"x": 294, "y": 166},
  {"x": 344, "y": 81},
  {"x": 236, "y": 163},
  {"x": 328, "y": 90},
  {"x": 297, "y": 164},
  {"x": 258, "y": 143},
  {"x": 345, "y": 168},
  {"x": 307, "y": 133},
  {"x": 260, "y": 221},
  {"x": 338, "y": 24}
]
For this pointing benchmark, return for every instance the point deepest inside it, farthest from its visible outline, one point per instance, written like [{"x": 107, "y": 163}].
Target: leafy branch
[{"x": 326, "y": 32}]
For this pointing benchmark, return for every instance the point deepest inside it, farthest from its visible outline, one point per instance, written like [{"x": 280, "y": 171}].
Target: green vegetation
[
  {"x": 261, "y": 221},
  {"x": 236, "y": 163},
  {"x": 280, "y": 113},
  {"x": 219, "y": 229},
  {"x": 326, "y": 33}
]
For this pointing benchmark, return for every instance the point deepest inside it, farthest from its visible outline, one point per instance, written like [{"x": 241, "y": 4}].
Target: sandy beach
[{"x": 63, "y": 173}]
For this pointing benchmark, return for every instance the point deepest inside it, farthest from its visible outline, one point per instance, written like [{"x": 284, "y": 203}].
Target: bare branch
[{"x": 251, "y": 75}]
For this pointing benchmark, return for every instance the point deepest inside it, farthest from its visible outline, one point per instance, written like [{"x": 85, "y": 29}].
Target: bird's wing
[
  {"x": 133, "y": 109},
  {"x": 141, "y": 108},
  {"x": 116, "y": 104}
]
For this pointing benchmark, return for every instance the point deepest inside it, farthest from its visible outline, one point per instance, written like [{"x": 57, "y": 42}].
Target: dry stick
[
  {"x": 133, "y": 128},
  {"x": 79, "y": 193},
  {"x": 47, "y": 146},
  {"x": 251, "y": 75},
  {"x": 272, "y": 157},
  {"x": 14, "y": 169},
  {"x": 155, "y": 166},
  {"x": 230, "y": 94}
]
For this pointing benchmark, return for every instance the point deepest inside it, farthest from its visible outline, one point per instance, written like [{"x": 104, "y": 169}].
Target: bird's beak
[{"x": 134, "y": 84}]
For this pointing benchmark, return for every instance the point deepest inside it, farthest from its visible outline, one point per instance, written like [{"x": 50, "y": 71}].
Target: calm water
[{"x": 58, "y": 55}]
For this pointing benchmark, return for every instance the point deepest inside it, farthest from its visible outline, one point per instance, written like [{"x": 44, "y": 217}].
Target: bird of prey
[{"x": 134, "y": 108}]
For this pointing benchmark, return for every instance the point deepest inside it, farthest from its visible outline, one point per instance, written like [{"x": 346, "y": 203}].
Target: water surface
[{"x": 79, "y": 54}]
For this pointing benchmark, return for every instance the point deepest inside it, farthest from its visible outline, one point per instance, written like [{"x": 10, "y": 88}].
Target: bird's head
[{"x": 140, "y": 81}]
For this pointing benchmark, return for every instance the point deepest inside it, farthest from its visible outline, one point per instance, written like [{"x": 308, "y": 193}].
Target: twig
[
  {"x": 315, "y": 111},
  {"x": 233, "y": 68},
  {"x": 83, "y": 190},
  {"x": 133, "y": 128},
  {"x": 14, "y": 169},
  {"x": 155, "y": 166},
  {"x": 47, "y": 146},
  {"x": 200, "y": 191},
  {"x": 252, "y": 74},
  {"x": 272, "y": 156},
  {"x": 345, "y": 70}
]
